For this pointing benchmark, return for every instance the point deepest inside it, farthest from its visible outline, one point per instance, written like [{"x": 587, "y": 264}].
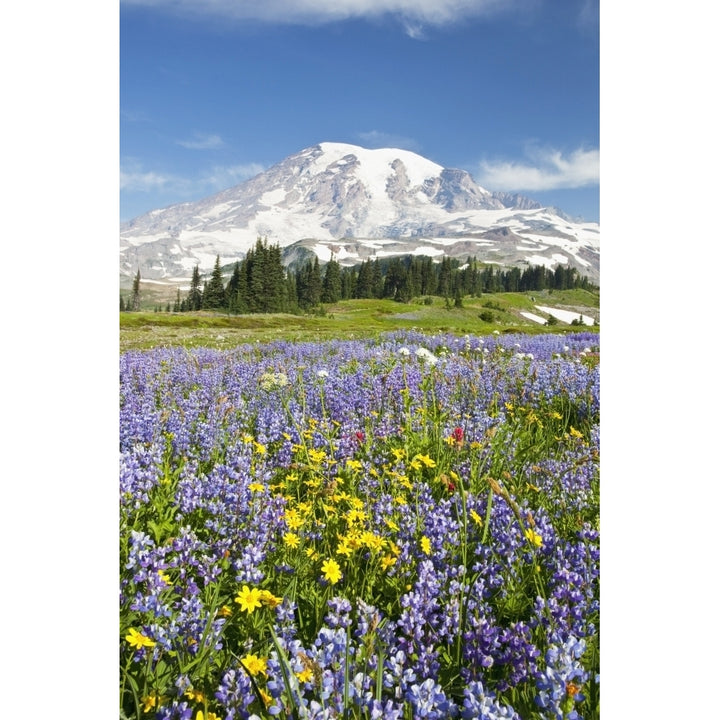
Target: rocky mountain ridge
[{"x": 352, "y": 203}]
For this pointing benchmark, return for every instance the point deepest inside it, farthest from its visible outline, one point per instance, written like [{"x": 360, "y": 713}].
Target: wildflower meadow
[{"x": 395, "y": 528}]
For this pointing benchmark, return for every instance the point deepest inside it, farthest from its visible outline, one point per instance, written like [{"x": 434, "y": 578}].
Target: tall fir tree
[
  {"x": 332, "y": 284},
  {"x": 135, "y": 301},
  {"x": 214, "y": 295},
  {"x": 194, "y": 298}
]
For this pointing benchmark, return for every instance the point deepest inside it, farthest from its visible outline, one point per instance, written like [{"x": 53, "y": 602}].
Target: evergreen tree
[
  {"x": 332, "y": 284},
  {"x": 135, "y": 302},
  {"x": 122, "y": 304},
  {"x": 194, "y": 298},
  {"x": 314, "y": 288},
  {"x": 214, "y": 294},
  {"x": 458, "y": 298}
]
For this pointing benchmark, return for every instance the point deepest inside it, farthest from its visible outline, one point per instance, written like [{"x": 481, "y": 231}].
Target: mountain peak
[{"x": 379, "y": 201}]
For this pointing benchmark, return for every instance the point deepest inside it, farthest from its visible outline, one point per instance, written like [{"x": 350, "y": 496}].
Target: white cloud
[
  {"x": 202, "y": 142},
  {"x": 220, "y": 178},
  {"x": 377, "y": 139},
  {"x": 544, "y": 169},
  {"x": 413, "y": 12},
  {"x": 133, "y": 178}
]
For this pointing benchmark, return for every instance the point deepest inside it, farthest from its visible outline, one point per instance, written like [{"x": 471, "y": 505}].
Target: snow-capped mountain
[{"x": 354, "y": 203}]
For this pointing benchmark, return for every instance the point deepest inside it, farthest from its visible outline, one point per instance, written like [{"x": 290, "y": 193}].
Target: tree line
[{"x": 259, "y": 283}]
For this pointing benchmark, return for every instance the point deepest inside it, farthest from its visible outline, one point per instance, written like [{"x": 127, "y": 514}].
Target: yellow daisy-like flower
[
  {"x": 210, "y": 716},
  {"x": 387, "y": 561},
  {"x": 353, "y": 464},
  {"x": 267, "y": 598},
  {"x": 293, "y": 519},
  {"x": 305, "y": 675},
  {"x": 533, "y": 537},
  {"x": 194, "y": 695},
  {"x": 476, "y": 517},
  {"x": 575, "y": 433},
  {"x": 291, "y": 540},
  {"x": 426, "y": 460},
  {"x": 355, "y": 516},
  {"x": 392, "y": 524},
  {"x": 331, "y": 571},
  {"x": 372, "y": 541},
  {"x": 164, "y": 577},
  {"x": 255, "y": 665},
  {"x": 138, "y": 640},
  {"x": 225, "y": 611},
  {"x": 425, "y": 545},
  {"x": 249, "y": 599},
  {"x": 151, "y": 701},
  {"x": 260, "y": 449},
  {"x": 256, "y": 487}
]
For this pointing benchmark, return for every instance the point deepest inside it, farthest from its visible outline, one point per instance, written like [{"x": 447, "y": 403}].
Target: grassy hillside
[{"x": 354, "y": 318}]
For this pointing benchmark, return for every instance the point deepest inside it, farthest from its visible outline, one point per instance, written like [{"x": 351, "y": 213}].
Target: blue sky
[{"x": 214, "y": 91}]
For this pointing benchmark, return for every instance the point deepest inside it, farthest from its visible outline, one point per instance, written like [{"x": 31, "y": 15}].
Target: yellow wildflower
[
  {"x": 291, "y": 539},
  {"x": 353, "y": 464},
  {"x": 267, "y": 598},
  {"x": 138, "y": 640},
  {"x": 305, "y": 675},
  {"x": 355, "y": 516},
  {"x": 255, "y": 665},
  {"x": 225, "y": 611},
  {"x": 331, "y": 570},
  {"x": 425, "y": 545},
  {"x": 316, "y": 456},
  {"x": 293, "y": 519},
  {"x": 151, "y": 701},
  {"x": 533, "y": 537},
  {"x": 256, "y": 487},
  {"x": 387, "y": 561},
  {"x": 372, "y": 541},
  {"x": 249, "y": 599},
  {"x": 260, "y": 449},
  {"x": 575, "y": 433},
  {"x": 164, "y": 577},
  {"x": 426, "y": 460},
  {"x": 194, "y": 695},
  {"x": 474, "y": 515}
]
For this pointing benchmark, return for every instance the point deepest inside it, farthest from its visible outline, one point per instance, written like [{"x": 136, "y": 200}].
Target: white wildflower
[{"x": 424, "y": 355}]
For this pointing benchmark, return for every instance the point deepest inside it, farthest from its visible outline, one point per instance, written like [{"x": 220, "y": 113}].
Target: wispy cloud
[
  {"x": 219, "y": 178},
  {"x": 377, "y": 139},
  {"x": 202, "y": 142},
  {"x": 543, "y": 169},
  {"x": 134, "y": 178},
  {"x": 413, "y": 13}
]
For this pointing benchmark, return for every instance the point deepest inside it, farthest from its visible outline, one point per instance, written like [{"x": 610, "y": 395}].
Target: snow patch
[{"x": 565, "y": 315}]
